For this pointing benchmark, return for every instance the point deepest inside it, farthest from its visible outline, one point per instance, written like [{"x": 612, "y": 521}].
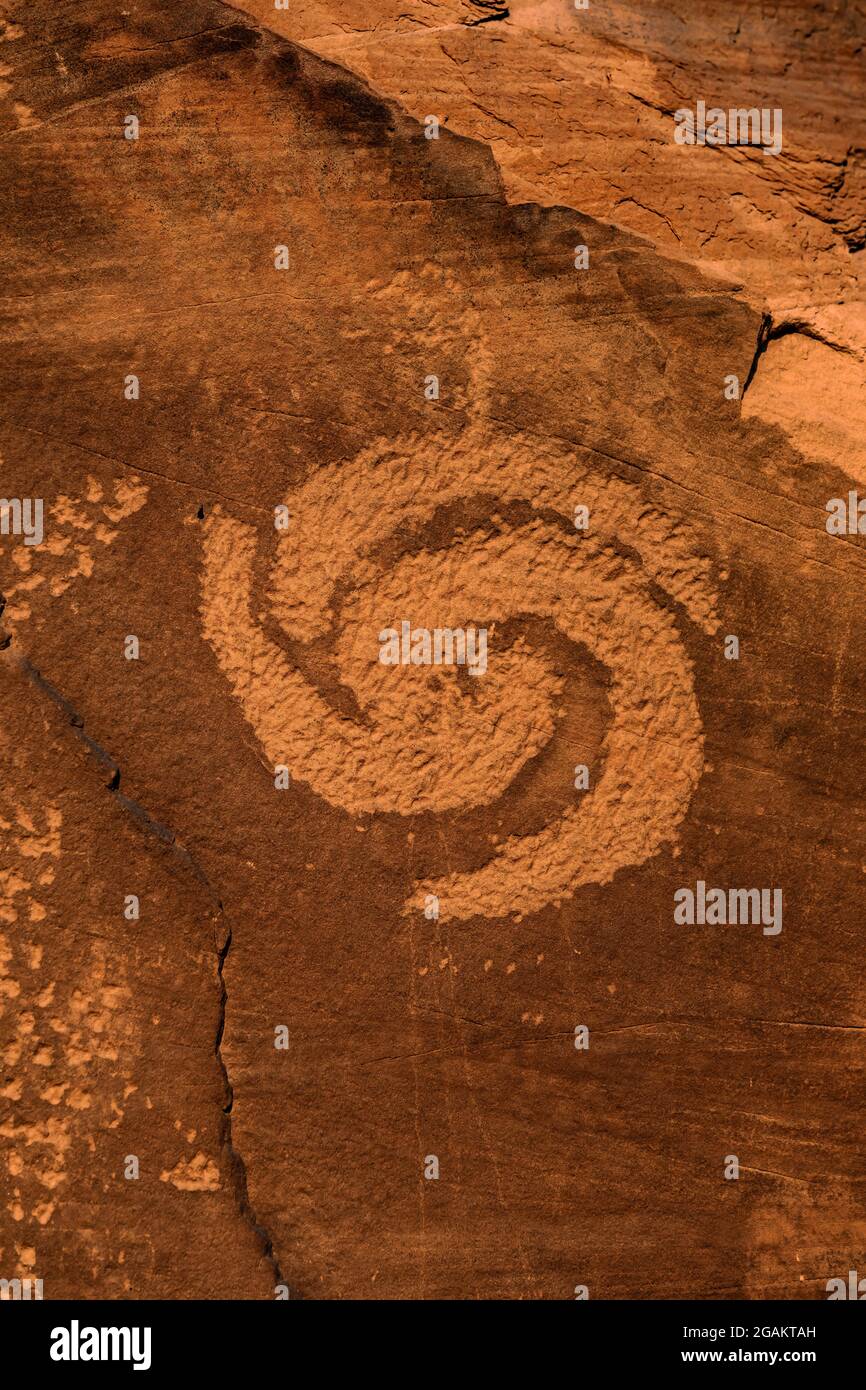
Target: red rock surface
[{"x": 302, "y": 907}]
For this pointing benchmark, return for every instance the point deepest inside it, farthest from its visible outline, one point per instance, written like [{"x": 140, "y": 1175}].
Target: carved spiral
[{"x": 426, "y": 740}]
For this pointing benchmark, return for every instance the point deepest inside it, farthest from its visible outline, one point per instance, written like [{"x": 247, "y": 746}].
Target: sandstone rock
[{"x": 419, "y": 1031}]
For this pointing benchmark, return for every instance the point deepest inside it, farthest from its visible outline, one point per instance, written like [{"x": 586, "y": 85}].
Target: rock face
[
  {"x": 577, "y": 106},
  {"x": 364, "y": 977}
]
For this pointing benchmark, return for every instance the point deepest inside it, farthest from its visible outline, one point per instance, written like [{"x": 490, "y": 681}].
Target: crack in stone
[
  {"x": 497, "y": 14},
  {"x": 236, "y": 1164},
  {"x": 112, "y": 775},
  {"x": 764, "y": 330},
  {"x": 769, "y": 332}
]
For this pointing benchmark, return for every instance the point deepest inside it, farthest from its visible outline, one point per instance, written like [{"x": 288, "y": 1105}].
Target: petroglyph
[
  {"x": 489, "y": 391},
  {"x": 423, "y": 742},
  {"x": 74, "y": 527},
  {"x": 56, "y": 1040}
]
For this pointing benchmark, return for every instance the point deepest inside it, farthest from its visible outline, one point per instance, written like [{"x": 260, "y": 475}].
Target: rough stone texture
[
  {"x": 576, "y": 108},
  {"x": 303, "y": 907}
]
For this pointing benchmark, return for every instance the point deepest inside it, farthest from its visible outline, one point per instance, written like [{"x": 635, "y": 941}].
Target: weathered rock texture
[
  {"x": 303, "y": 907},
  {"x": 577, "y": 109}
]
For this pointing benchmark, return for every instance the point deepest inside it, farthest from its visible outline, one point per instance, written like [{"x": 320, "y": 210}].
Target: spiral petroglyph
[{"x": 423, "y": 742}]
